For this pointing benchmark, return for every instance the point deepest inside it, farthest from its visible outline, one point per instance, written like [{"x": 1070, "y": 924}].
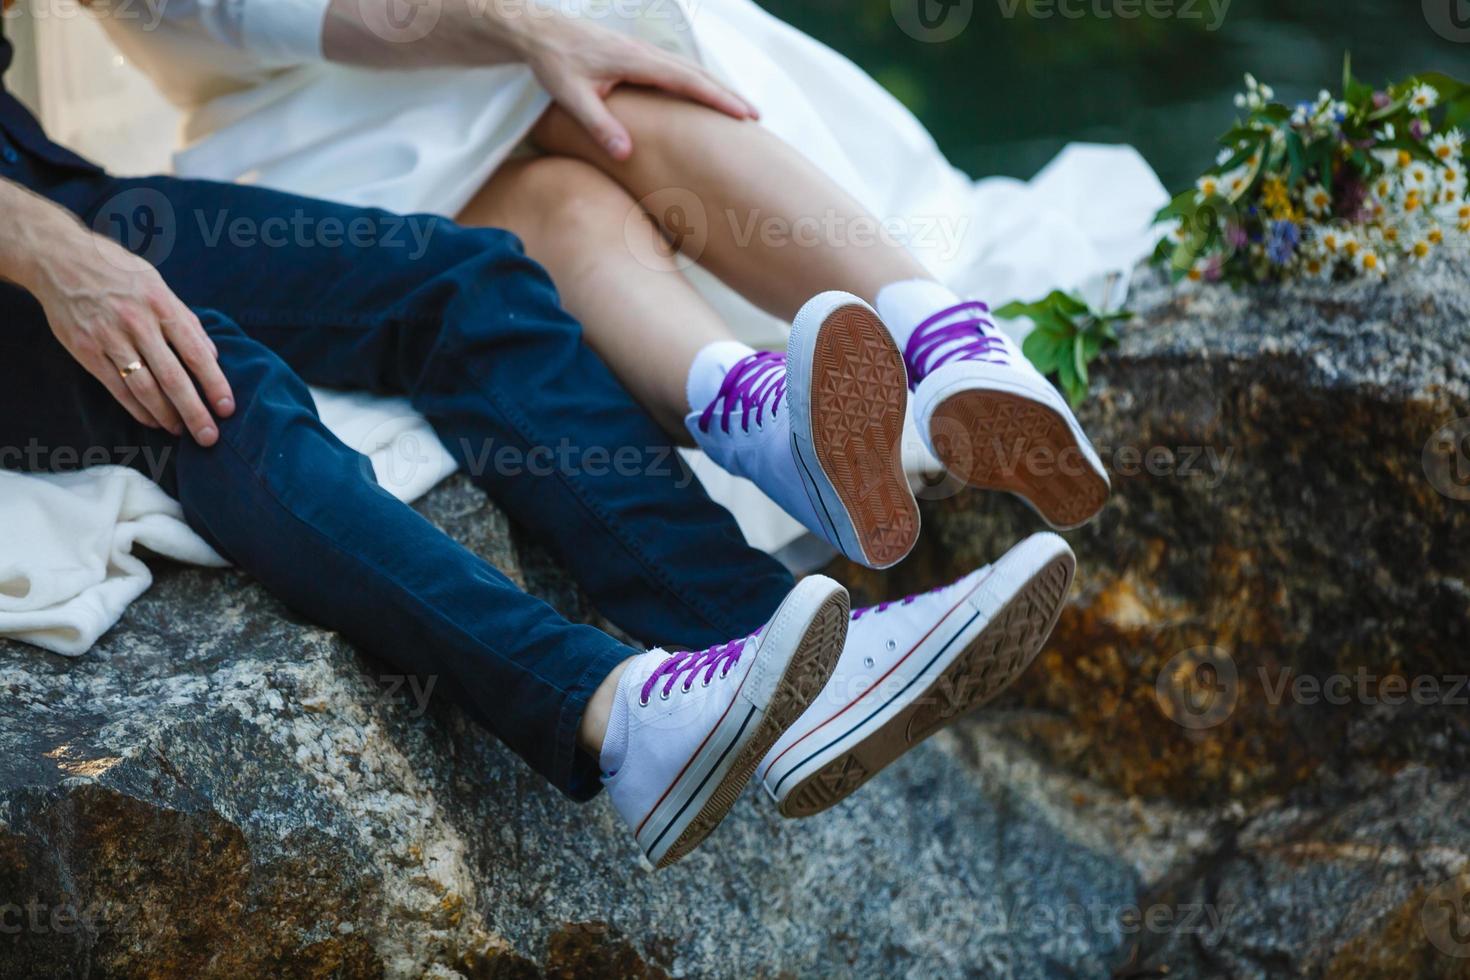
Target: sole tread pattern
[
  {"x": 805, "y": 676},
  {"x": 859, "y": 394},
  {"x": 992, "y": 661},
  {"x": 987, "y": 438}
]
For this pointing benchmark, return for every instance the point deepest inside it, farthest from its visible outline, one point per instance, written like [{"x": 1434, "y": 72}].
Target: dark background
[{"x": 1008, "y": 92}]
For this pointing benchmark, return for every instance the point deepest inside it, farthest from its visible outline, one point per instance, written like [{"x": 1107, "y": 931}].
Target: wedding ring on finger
[{"x": 132, "y": 367}]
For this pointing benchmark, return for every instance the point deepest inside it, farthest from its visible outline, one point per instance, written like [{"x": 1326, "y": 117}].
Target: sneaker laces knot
[
  {"x": 956, "y": 333},
  {"x": 754, "y": 381},
  {"x": 720, "y": 658}
]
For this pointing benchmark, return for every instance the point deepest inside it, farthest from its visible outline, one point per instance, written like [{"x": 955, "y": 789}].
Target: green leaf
[
  {"x": 1296, "y": 151},
  {"x": 1042, "y": 350},
  {"x": 1079, "y": 356},
  {"x": 1181, "y": 206}
]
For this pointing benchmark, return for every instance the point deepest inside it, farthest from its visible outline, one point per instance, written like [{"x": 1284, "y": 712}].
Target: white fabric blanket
[{"x": 69, "y": 565}]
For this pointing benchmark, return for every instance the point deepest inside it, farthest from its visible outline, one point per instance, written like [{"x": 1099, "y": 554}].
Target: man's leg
[
  {"x": 287, "y": 502},
  {"x": 471, "y": 330}
]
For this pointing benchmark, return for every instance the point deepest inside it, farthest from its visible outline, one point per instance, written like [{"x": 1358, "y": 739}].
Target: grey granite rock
[{"x": 221, "y": 790}]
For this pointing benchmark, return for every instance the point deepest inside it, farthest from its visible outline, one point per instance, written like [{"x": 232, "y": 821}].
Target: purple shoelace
[
  {"x": 940, "y": 332},
  {"x": 885, "y": 606},
  {"x": 722, "y": 658},
  {"x": 753, "y": 381}
]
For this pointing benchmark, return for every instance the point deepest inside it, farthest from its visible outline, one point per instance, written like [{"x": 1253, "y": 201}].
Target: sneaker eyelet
[
  {"x": 687, "y": 688},
  {"x": 643, "y": 702},
  {"x": 665, "y": 694},
  {"x": 705, "y": 682}
]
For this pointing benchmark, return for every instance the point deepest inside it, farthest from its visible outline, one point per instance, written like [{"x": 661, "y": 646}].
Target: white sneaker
[
  {"x": 698, "y": 723},
  {"x": 911, "y": 667},
  {"x": 995, "y": 422},
  {"x": 821, "y": 431}
]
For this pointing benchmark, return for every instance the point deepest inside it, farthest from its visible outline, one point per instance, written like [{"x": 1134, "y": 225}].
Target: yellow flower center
[
  {"x": 1421, "y": 249},
  {"x": 1435, "y": 236},
  {"x": 1370, "y": 261},
  {"x": 1391, "y": 234},
  {"x": 1444, "y": 152},
  {"x": 1404, "y": 158},
  {"x": 1351, "y": 248}
]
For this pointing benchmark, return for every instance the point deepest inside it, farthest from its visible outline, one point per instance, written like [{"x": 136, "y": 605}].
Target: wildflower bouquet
[{"x": 1356, "y": 185}]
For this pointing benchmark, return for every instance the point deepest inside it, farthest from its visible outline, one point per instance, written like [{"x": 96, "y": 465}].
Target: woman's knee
[{"x": 557, "y": 198}]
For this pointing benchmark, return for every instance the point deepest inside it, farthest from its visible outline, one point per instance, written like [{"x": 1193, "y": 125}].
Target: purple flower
[
  {"x": 1285, "y": 237},
  {"x": 1350, "y": 197},
  {"x": 1381, "y": 100},
  {"x": 1214, "y": 268},
  {"x": 1419, "y": 129},
  {"x": 1235, "y": 235}
]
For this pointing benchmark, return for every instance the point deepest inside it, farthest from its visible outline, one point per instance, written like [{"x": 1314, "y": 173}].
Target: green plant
[{"x": 1068, "y": 336}]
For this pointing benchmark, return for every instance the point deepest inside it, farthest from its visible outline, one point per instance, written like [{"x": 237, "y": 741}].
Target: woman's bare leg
[
  {"x": 615, "y": 273},
  {"x": 752, "y": 188}
]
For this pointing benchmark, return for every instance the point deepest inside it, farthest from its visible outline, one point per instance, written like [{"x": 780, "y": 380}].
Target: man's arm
[{"x": 109, "y": 309}]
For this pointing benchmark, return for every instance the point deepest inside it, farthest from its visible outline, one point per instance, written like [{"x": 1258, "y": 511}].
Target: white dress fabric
[{"x": 260, "y": 105}]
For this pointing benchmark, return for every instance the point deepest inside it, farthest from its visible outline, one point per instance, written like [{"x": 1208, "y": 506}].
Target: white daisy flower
[
  {"x": 1318, "y": 266},
  {"x": 1333, "y": 242},
  {"x": 1447, "y": 147},
  {"x": 1452, "y": 175},
  {"x": 1207, "y": 186},
  {"x": 1419, "y": 176},
  {"x": 1369, "y": 262},
  {"x": 1384, "y": 187},
  {"x": 1423, "y": 98},
  {"x": 1419, "y": 249},
  {"x": 1235, "y": 182},
  {"x": 1318, "y": 200}
]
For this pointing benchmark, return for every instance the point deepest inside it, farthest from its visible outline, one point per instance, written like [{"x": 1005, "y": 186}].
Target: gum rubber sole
[
  {"x": 991, "y": 662},
  {"x": 805, "y": 676},
  {"x": 859, "y": 394},
  {"x": 986, "y": 438}
]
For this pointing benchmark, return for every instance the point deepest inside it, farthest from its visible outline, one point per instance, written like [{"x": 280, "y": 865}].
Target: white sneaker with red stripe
[
  {"x": 995, "y": 422},
  {"x": 912, "y": 666},
  {"x": 696, "y": 724}
]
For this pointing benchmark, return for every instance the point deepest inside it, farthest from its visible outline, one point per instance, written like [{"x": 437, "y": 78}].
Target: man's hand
[
  {"x": 113, "y": 313},
  {"x": 581, "y": 63},
  {"x": 578, "y": 61}
]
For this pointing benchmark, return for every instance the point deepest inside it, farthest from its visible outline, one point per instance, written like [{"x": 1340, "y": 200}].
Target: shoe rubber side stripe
[
  {"x": 760, "y": 648},
  {"x": 897, "y": 664},
  {"x": 897, "y": 694},
  {"x": 713, "y": 769},
  {"x": 811, "y": 485}
]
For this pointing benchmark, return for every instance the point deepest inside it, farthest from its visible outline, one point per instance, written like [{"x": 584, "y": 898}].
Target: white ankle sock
[
  {"x": 906, "y": 304},
  {"x": 615, "y": 742},
  {"x": 708, "y": 371}
]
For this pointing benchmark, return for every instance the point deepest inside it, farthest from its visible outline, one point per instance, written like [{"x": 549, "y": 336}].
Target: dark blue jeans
[{"x": 296, "y": 291}]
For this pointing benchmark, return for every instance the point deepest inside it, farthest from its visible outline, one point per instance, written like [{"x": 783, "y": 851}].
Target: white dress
[{"x": 261, "y": 105}]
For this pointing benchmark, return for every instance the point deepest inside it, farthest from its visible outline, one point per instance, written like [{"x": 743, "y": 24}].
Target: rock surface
[
  {"x": 221, "y": 790},
  {"x": 1272, "y": 618}
]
